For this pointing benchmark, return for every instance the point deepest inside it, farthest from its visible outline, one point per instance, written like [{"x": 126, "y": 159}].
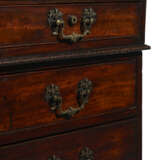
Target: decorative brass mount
[
  {"x": 54, "y": 99},
  {"x": 56, "y": 22},
  {"x": 85, "y": 154}
]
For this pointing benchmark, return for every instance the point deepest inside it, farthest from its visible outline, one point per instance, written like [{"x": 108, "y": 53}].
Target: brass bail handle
[
  {"x": 54, "y": 98},
  {"x": 56, "y": 22},
  {"x": 85, "y": 154}
]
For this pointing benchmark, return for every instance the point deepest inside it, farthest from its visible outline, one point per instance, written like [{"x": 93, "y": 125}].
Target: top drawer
[{"x": 107, "y": 24}]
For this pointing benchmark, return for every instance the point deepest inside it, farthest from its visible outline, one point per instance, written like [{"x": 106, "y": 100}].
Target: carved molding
[{"x": 44, "y": 58}]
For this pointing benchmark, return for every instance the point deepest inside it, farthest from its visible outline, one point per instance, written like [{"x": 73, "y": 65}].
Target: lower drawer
[
  {"x": 118, "y": 141},
  {"x": 33, "y": 99}
]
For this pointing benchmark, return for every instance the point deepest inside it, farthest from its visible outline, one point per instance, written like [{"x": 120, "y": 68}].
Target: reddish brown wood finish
[
  {"x": 113, "y": 90},
  {"x": 139, "y": 103},
  {"x": 22, "y": 2},
  {"x": 31, "y": 58},
  {"x": 116, "y": 141},
  {"x": 4, "y": 116},
  {"x": 26, "y": 26}
]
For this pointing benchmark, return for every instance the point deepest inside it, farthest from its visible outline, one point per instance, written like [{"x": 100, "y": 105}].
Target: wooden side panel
[
  {"x": 113, "y": 91},
  {"x": 26, "y": 26}
]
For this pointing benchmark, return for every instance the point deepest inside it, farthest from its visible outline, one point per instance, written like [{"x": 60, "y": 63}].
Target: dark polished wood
[
  {"x": 43, "y": 130},
  {"x": 109, "y": 122},
  {"x": 26, "y": 26},
  {"x": 33, "y": 2},
  {"x": 115, "y": 141},
  {"x": 24, "y": 95},
  {"x": 67, "y": 55}
]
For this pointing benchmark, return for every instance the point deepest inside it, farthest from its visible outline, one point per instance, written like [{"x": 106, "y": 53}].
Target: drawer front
[
  {"x": 37, "y": 26},
  {"x": 117, "y": 141},
  {"x": 16, "y": 2},
  {"x": 59, "y": 96}
]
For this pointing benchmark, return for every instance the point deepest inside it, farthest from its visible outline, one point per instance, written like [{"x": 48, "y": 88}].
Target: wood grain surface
[
  {"x": 117, "y": 141},
  {"x": 113, "y": 90},
  {"x": 33, "y": 2},
  {"x": 23, "y": 27}
]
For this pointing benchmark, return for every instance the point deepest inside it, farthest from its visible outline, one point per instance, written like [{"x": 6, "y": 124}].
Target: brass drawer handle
[
  {"x": 56, "y": 22},
  {"x": 85, "y": 154},
  {"x": 54, "y": 99}
]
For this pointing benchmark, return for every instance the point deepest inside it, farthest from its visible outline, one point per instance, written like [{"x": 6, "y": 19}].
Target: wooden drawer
[
  {"x": 22, "y": 2},
  {"x": 26, "y": 102},
  {"x": 117, "y": 141},
  {"x": 26, "y": 26}
]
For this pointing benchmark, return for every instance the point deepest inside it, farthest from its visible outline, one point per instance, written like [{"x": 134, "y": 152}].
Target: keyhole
[{"x": 72, "y": 20}]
